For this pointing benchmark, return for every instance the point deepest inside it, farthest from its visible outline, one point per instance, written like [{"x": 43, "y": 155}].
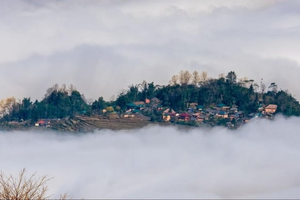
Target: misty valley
[
  {"x": 259, "y": 160},
  {"x": 172, "y": 99}
]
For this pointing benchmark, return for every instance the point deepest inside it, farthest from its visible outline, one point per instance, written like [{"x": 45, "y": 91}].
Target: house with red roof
[{"x": 184, "y": 116}]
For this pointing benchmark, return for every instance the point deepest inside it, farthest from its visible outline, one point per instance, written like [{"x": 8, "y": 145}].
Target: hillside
[{"x": 191, "y": 98}]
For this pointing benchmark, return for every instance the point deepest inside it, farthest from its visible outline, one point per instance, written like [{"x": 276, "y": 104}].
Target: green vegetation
[
  {"x": 58, "y": 103},
  {"x": 183, "y": 89},
  {"x": 186, "y": 88}
]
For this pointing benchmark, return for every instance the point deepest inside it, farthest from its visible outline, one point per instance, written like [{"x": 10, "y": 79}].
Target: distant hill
[{"x": 183, "y": 90}]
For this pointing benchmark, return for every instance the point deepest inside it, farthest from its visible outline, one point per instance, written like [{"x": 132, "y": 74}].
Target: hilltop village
[
  {"x": 189, "y": 99},
  {"x": 195, "y": 115}
]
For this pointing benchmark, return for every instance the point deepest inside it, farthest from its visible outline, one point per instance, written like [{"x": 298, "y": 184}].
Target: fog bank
[{"x": 260, "y": 160}]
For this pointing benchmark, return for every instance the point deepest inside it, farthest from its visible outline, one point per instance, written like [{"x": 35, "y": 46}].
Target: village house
[
  {"x": 233, "y": 110},
  {"x": 198, "y": 117},
  {"x": 130, "y": 106},
  {"x": 271, "y": 108},
  {"x": 193, "y": 105},
  {"x": 184, "y": 117},
  {"x": 169, "y": 114},
  {"x": 147, "y": 101},
  {"x": 166, "y": 117},
  {"x": 246, "y": 120},
  {"x": 200, "y": 107},
  {"x": 169, "y": 117},
  {"x": 128, "y": 115},
  {"x": 139, "y": 103},
  {"x": 43, "y": 122},
  {"x": 223, "y": 107},
  {"x": 168, "y": 110},
  {"x": 135, "y": 107},
  {"x": 159, "y": 107},
  {"x": 222, "y": 114},
  {"x": 155, "y": 104},
  {"x": 233, "y": 116}
]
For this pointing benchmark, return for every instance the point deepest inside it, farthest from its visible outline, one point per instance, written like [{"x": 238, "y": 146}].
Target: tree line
[
  {"x": 59, "y": 102},
  {"x": 196, "y": 87},
  {"x": 184, "y": 88}
]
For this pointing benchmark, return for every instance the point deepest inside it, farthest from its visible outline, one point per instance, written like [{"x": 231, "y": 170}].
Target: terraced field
[{"x": 89, "y": 124}]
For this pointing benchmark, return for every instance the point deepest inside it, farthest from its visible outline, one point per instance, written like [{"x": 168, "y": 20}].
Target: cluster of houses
[
  {"x": 230, "y": 116},
  {"x": 136, "y": 108}
]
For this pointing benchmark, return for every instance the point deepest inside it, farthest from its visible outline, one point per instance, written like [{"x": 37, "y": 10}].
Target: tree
[
  {"x": 262, "y": 86},
  {"x": 231, "y": 77},
  {"x": 143, "y": 89},
  {"x": 77, "y": 104},
  {"x": 151, "y": 90},
  {"x": 6, "y": 106},
  {"x": 22, "y": 188},
  {"x": 184, "y": 77},
  {"x": 99, "y": 104},
  {"x": 203, "y": 77},
  {"x": 133, "y": 92},
  {"x": 251, "y": 90},
  {"x": 174, "y": 80},
  {"x": 50, "y": 90},
  {"x": 110, "y": 109},
  {"x": 273, "y": 87},
  {"x": 71, "y": 88},
  {"x": 245, "y": 82},
  {"x": 122, "y": 100},
  {"x": 195, "y": 78}
]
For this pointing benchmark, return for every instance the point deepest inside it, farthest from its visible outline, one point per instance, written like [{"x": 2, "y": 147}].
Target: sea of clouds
[{"x": 259, "y": 160}]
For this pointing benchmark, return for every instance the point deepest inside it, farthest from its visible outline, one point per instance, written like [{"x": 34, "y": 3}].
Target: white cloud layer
[
  {"x": 260, "y": 160},
  {"x": 104, "y": 46}
]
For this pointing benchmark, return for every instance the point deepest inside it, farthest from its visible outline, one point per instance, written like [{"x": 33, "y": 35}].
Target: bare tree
[
  {"x": 143, "y": 86},
  {"x": 174, "y": 80},
  {"x": 22, "y": 188},
  {"x": 195, "y": 78},
  {"x": 49, "y": 91},
  {"x": 184, "y": 77},
  {"x": 63, "y": 88},
  {"x": 71, "y": 89},
  {"x": 255, "y": 87},
  {"x": 203, "y": 78},
  {"x": 245, "y": 82},
  {"x": 6, "y": 105}
]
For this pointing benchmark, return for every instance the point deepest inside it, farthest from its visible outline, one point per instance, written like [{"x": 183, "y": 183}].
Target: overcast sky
[
  {"x": 260, "y": 160},
  {"x": 102, "y": 46}
]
